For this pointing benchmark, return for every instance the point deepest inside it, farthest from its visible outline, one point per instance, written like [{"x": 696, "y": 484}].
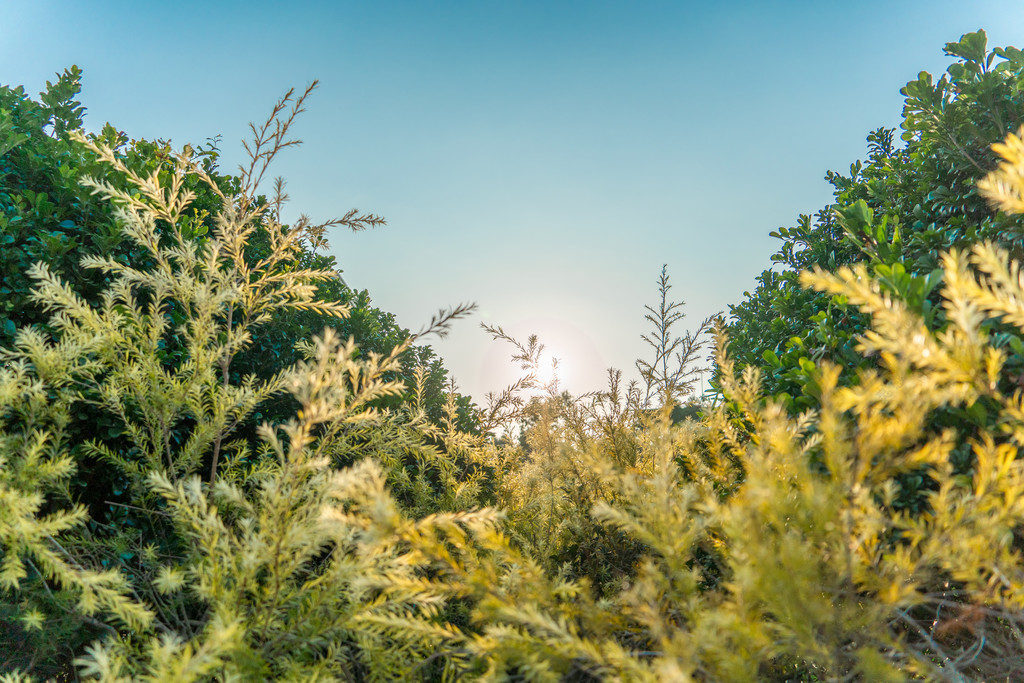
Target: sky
[{"x": 541, "y": 159}]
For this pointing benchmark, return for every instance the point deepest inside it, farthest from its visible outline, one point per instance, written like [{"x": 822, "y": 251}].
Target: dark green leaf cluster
[{"x": 898, "y": 211}]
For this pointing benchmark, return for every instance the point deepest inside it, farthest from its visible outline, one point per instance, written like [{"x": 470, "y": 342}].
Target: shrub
[{"x": 897, "y": 212}]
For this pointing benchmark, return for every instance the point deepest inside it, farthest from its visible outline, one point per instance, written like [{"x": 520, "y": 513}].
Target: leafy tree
[{"x": 898, "y": 211}]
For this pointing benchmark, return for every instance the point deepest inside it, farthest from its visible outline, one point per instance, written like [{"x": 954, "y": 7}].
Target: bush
[{"x": 897, "y": 212}]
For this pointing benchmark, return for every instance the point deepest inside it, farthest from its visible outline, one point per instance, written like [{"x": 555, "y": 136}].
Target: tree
[{"x": 898, "y": 211}]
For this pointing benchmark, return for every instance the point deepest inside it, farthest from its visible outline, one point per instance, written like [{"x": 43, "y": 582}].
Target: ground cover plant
[{"x": 185, "y": 494}]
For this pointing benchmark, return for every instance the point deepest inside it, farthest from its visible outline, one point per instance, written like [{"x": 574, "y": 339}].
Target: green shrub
[
  {"x": 897, "y": 212},
  {"x": 139, "y": 376}
]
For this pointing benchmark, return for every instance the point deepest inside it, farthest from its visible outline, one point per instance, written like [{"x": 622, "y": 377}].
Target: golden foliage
[{"x": 1005, "y": 187}]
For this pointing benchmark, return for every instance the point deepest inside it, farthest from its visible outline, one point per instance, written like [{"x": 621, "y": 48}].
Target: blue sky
[{"x": 542, "y": 159}]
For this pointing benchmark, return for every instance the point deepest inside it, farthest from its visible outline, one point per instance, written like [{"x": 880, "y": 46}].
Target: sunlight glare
[{"x": 550, "y": 369}]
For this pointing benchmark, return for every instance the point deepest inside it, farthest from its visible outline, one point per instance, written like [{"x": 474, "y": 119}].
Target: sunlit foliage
[{"x": 609, "y": 536}]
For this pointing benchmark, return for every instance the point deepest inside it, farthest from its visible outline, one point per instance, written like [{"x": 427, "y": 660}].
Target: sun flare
[{"x": 551, "y": 370}]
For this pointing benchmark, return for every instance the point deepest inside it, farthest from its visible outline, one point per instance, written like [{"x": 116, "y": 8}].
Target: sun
[
  {"x": 580, "y": 363},
  {"x": 551, "y": 371}
]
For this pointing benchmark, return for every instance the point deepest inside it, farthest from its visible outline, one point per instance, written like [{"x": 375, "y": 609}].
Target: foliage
[
  {"x": 47, "y": 216},
  {"x": 898, "y": 212},
  {"x": 196, "y": 263},
  {"x": 359, "y": 539},
  {"x": 570, "y": 449},
  {"x": 671, "y": 374}
]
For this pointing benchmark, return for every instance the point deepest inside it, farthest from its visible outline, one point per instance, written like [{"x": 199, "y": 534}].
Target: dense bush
[
  {"x": 47, "y": 216},
  {"x": 354, "y": 537},
  {"x": 897, "y": 212}
]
